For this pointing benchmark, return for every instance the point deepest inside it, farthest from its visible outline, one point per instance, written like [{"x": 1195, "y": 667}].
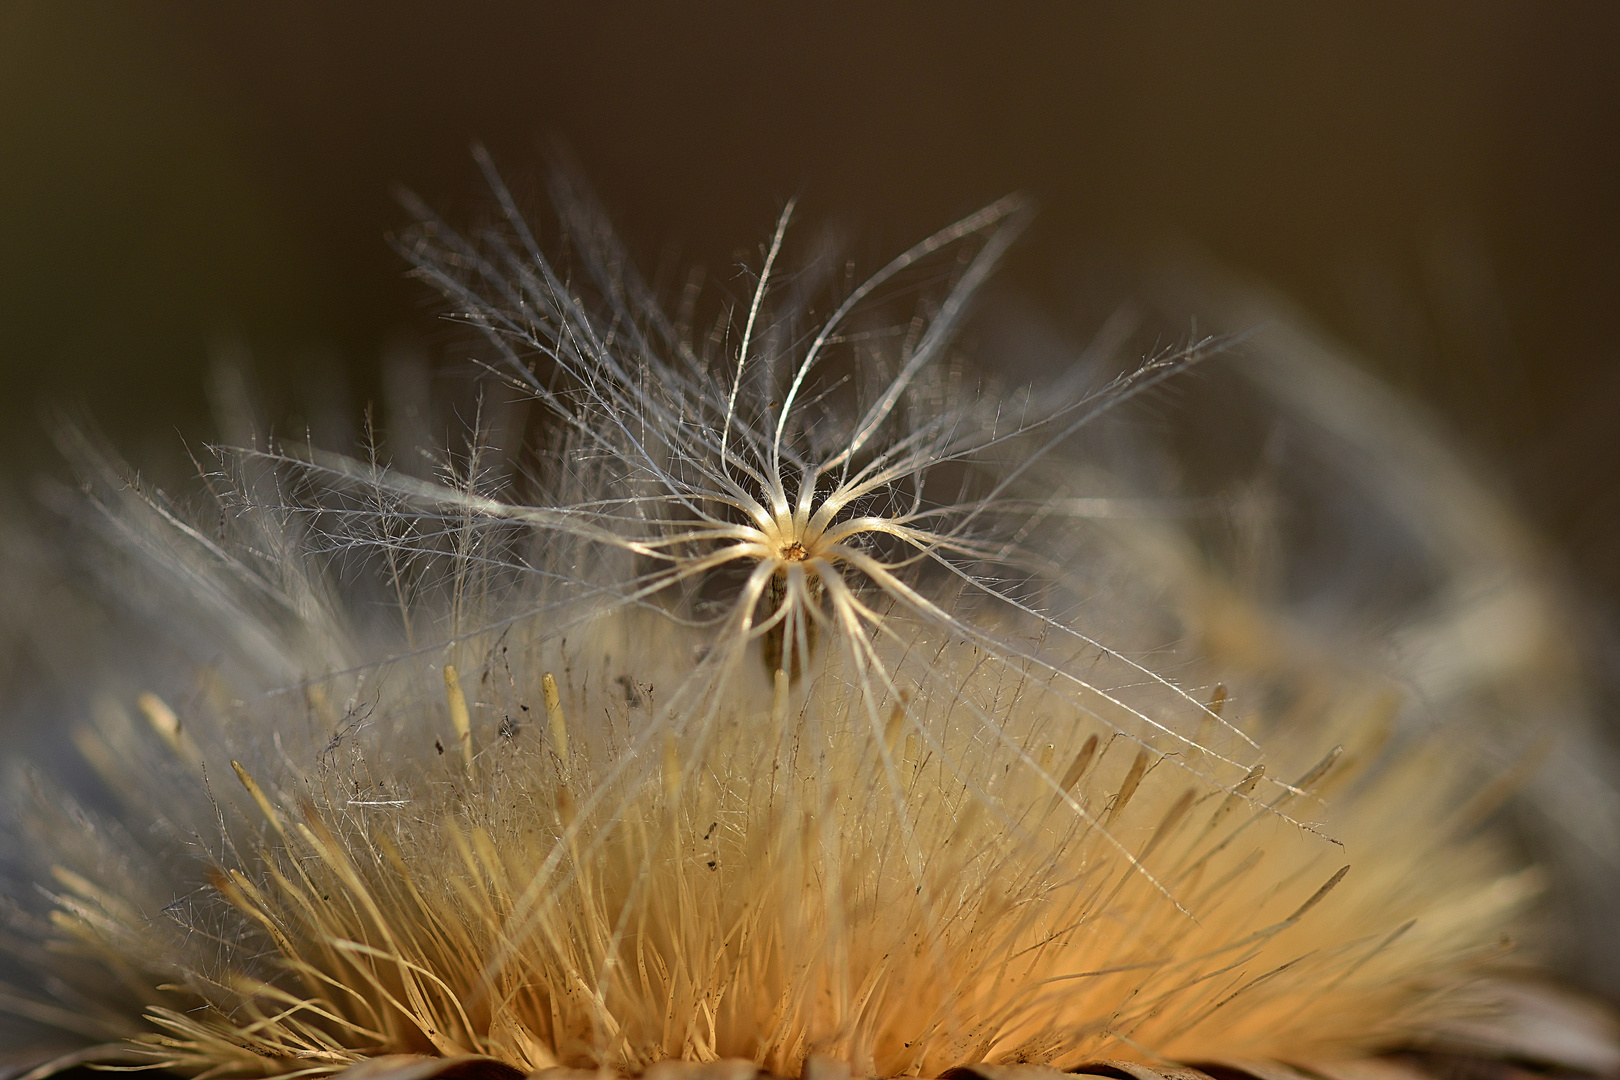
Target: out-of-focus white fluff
[{"x": 785, "y": 690}]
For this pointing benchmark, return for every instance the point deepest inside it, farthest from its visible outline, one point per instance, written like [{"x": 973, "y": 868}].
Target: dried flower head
[{"x": 786, "y": 697}]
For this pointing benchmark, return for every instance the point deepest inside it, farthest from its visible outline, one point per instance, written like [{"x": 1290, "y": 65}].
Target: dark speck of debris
[{"x": 439, "y": 746}]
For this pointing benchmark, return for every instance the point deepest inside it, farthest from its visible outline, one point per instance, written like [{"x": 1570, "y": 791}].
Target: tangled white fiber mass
[{"x": 791, "y": 697}]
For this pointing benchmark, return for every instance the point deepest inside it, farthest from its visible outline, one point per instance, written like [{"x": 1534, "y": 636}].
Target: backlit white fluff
[{"x": 797, "y": 694}]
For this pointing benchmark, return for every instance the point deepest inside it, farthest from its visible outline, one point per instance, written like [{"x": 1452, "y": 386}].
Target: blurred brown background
[{"x": 1436, "y": 183}]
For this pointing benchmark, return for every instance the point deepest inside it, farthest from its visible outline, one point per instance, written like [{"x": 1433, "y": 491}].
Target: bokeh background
[{"x": 1438, "y": 184}]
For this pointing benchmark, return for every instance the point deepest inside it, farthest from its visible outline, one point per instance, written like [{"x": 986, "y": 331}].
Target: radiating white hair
[{"x": 789, "y": 693}]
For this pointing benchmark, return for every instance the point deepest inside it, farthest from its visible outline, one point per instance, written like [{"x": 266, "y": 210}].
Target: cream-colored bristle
[
  {"x": 1128, "y": 786},
  {"x": 460, "y": 721},
  {"x": 1079, "y": 764},
  {"x": 259, "y": 798},
  {"x": 1239, "y": 793},
  {"x": 167, "y": 724},
  {"x": 556, "y": 725}
]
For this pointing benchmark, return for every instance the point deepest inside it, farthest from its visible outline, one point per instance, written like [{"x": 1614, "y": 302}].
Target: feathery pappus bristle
[{"x": 788, "y": 698}]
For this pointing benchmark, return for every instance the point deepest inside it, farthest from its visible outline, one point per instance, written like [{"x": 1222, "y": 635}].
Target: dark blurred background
[{"x": 1435, "y": 183}]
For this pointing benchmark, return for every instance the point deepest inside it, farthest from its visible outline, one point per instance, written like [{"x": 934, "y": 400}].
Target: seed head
[{"x": 861, "y": 738}]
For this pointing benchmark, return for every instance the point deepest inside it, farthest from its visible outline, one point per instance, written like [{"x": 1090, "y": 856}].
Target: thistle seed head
[{"x": 865, "y": 738}]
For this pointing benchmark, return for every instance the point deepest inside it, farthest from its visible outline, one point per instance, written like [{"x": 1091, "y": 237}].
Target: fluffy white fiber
[{"x": 779, "y": 691}]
